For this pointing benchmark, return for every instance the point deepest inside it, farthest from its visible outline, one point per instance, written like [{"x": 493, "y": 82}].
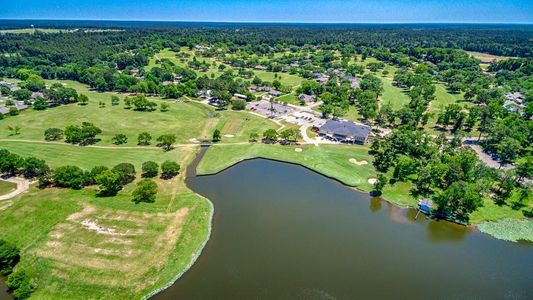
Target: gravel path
[{"x": 22, "y": 186}]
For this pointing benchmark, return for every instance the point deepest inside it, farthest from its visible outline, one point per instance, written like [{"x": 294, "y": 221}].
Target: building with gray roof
[{"x": 345, "y": 131}]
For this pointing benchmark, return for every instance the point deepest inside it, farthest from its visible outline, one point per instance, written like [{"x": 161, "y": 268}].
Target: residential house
[
  {"x": 307, "y": 98},
  {"x": 240, "y": 96}
]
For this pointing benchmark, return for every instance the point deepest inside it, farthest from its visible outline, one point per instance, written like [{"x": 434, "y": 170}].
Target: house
[
  {"x": 20, "y": 105},
  {"x": 214, "y": 101},
  {"x": 134, "y": 72},
  {"x": 35, "y": 95},
  {"x": 4, "y": 110},
  {"x": 206, "y": 94},
  {"x": 260, "y": 67},
  {"x": 201, "y": 48},
  {"x": 240, "y": 96},
  {"x": 514, "y": 102},
  {"x": 307, "y": 98},
  {"x": 166, "y": 82},
  {"x": 424, "y": 205},
  {"x": 252, "y": 88},
  {"x": 345, "y": 131},
  {"x": 274, "y": 93},
  {"x": 9, "y": 85}
]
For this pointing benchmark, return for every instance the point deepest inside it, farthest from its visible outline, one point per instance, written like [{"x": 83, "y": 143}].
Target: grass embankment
[
  {"x": 186, "y": 120},
  {"x": 350, "y": 164},
  {"x": 6, "y": 187},
  {"x": 77, "y": 246},
  {"x": 334, "y": 161}
]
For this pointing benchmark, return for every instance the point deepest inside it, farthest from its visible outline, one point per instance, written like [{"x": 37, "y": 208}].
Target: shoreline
[{"x": 355, "y": 188}]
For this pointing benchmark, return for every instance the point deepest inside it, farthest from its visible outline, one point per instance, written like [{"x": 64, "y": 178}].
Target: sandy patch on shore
[
  {"x": 358, "y": 162},
  {"x": 298, "y": 149},
  {"x": 372, "y": 180}
]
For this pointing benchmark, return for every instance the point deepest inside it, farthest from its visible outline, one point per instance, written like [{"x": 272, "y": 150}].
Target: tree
[
  {"x": 270, "y": 136},
  {"x": 20, "y": 285},
  {"x": 216, "y": 136},
  {"x": 69, "y": 177},
  {"x": 144, "y": 139},
  {"x": 95, "y": 171},
  {"x": 166, "y": 141},
  {"x": 120, "y": 139},
  {"x": 40, "y": 104},
  {"x": 379, "y": 184},
  {"x": 110, "y": 181},
  {"x": 169, "y": 169},
  {"x": 13, "y": 111},
  {"x": 150, "y": 169},
  {"x": 508, "y": 150},
  {"x": 83, "y": 99},
  {"x": 460, "y": 198},
  {"x": 127, "y": 172},
  {"x": 238, "y": 104},
  {"x": 9, "y": 257},
  {"x": 9, "y": 162},
  {"x": 291, "y": 135},
  {"x": 524, "y": 169},
  {"x": 82, "y": 135},
  {"x": 34, "y": 167},
  {"x": 145, "y": 191},
  {"x": 53, "y": 134}
]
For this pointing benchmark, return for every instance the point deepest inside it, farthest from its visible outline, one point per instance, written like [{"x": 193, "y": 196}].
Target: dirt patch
[
  {"x": 194, "y": 140},
  {"x": 358, "y": 162},
  {"x": 298, "y": 149},
  {"x": 372, "y": 180},
  {"x": 113, "y": 248}
]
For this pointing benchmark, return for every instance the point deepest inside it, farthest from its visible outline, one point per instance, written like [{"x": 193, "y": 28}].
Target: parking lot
[{"x": 272, "y": 110}]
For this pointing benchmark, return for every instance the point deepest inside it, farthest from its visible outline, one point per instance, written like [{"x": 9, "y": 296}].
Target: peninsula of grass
[
  {"x": 76, "y": 245},
  {"x": 6, "y": 187}
]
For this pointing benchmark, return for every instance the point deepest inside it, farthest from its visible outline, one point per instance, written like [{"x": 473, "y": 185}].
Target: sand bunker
[
  {"x": 193, "y": 140},
  {"x": 229, "y": 135},
  {"x": 298, "y": 149},
  {"x": 372, "y": 180},
  {"x": 358, "y": 162}
]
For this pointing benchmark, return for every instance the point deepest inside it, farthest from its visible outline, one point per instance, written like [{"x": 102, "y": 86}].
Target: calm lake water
[{"x": 283, "y": 232}]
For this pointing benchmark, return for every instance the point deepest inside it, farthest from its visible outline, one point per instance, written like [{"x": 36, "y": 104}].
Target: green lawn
[
  {"x": 330, "y": 160},
  {"x": 186, "y": 120},
  {"x": 397, "y": 97},
  {"x": 6, "y": 187},
  {"x": 145, "y": 247},
  {"x": 289, "y": 98}
]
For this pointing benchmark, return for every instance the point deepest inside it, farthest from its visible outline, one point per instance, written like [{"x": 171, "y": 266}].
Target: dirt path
[{"x": 22, "y": 186}]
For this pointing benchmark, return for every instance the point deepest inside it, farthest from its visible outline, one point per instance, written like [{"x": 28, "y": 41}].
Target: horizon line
[{"x": 275, "y": 22}]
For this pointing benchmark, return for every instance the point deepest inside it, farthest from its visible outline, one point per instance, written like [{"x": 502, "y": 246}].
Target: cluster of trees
[
  {"x": 18, "y": 282},
  {"x": 448, "y": 172},
  {"x": 271, "y": 136}
]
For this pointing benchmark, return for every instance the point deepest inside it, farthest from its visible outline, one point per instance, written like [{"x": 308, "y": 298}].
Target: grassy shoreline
[{"x": 333, "y": 162}]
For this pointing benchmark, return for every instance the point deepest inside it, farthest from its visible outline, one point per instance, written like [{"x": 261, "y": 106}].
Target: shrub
[
  {"x": 110, "y": 181},
  {"x": 238, "y": 105}
]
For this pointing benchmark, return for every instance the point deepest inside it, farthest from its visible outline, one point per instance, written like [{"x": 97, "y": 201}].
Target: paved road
[{"x": 22, "y": 186}]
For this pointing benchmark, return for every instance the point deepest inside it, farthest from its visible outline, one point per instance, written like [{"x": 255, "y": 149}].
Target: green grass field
[
  {"x": 6, "y": 187},
  {"x": 393, "y": 95},
  {"x": 185, "y": 120},
  {"x": 76, "y": 245}
]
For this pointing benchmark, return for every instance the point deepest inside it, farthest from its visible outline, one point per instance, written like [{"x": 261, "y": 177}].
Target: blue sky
[{"x": 349, "y": 11}]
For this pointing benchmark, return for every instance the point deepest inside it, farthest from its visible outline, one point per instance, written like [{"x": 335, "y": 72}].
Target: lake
[{"x": 281, "y": 231}]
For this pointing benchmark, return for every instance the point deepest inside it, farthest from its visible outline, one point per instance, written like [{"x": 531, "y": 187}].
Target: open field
[
  {"x": 6, "y": 187},
  {"x": 186, "y": 120},
  {"x": 76, "y": 245}
]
